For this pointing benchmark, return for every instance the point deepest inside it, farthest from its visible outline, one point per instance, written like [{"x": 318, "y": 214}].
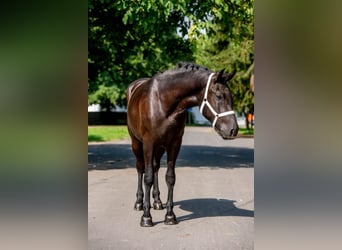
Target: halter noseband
[{"x": 205, "y": 102}]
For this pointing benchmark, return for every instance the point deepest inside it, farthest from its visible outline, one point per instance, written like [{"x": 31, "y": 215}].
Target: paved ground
[{"x": 214, "y": 196}]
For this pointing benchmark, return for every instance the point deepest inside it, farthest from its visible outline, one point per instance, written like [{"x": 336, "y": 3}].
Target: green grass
[
  {"x": 244, "y": 131},
  {"x": 110, "y": 133},
  {"x": 107, "y": 133}
]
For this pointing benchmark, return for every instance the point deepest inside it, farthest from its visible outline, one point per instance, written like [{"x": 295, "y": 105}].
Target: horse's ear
[
  {"x": 230, "y": 75},
  {"x": 220, "y": 77}
]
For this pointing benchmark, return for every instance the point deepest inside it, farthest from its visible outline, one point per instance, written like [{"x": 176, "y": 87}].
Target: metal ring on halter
[{"x": 205, "y": 102}]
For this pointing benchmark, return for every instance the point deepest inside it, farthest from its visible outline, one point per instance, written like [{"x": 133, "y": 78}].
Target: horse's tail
[{"x": 133, "y": 86}]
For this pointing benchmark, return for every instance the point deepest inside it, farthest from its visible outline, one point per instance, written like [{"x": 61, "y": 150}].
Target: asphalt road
[{"x": 214, "y": 196}]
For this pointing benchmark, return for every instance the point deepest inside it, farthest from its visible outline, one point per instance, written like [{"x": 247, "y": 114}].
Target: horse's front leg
[
  {"x": 157, "y": 204},
  {"x": 170, "y": 217},
  {"x": 172, "y": 153}
]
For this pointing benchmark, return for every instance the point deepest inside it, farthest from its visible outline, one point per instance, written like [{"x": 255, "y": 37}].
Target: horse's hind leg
[
  {"x": 139, "y": 156},
  {"x": 157, "y": 204},
  {"x": 146, "y": 219}
]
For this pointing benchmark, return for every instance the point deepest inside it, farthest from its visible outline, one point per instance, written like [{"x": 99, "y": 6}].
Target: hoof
[
  {"x": 170, "y": 220},
  {"x": 158, "y": 206},
  {"x": 146, "y": 221},
  {"x": 138, "y": 206}
]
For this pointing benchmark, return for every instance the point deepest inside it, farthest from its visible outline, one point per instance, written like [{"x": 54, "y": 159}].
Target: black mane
[{"x": 186, "y": 67}]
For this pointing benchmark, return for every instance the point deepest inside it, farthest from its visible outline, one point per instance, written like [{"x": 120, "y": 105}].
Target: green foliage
[
  {"x": 105, "y": 96},
  {"x": 133, "y": 39},
  {"x": 230, "y": 46},
  {"x": 130, "y": 40}
]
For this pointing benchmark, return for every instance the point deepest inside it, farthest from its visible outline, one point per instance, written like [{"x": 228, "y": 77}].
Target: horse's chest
[{"x": 170, "y": 130}]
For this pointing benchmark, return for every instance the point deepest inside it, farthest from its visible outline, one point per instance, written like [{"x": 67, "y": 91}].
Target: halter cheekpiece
[{"x": 205, "y": 102}]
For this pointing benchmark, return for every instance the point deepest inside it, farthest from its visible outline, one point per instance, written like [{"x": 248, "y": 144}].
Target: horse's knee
[
  {"x": 170, "y": 178},
  {"x": 140, "y": 168},
  {"x": 148, "y": 177}
]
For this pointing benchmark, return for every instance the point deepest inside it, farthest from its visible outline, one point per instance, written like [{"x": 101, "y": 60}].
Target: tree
[
  {"x": 228, "y": 42},
  {"x": 130, "y": 40}
]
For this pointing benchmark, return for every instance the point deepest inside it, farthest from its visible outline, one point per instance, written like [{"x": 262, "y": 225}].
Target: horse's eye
[{"x": 219, "y": 96}]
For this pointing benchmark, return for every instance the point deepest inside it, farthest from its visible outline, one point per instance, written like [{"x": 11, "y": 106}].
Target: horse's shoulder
[{"x": 132, "y": 87}]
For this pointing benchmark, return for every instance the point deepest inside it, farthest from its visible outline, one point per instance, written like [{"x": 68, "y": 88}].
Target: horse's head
[{"x": 217, "y": 105}]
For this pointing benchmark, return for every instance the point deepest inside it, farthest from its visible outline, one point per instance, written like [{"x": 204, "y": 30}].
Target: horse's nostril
[{"x": 231, "y": 132}]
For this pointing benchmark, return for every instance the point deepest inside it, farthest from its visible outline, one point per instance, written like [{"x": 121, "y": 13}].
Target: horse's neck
[{"x": 182, "y": 94}]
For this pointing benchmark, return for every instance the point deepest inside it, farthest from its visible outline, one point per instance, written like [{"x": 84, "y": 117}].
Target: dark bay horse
[{"x": 156, "y": 115}]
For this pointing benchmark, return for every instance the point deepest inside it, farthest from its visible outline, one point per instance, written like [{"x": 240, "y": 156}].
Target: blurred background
[{"x": 44, "y": 64}]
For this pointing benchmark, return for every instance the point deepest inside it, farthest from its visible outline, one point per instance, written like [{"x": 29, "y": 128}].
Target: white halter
[{"x": 205, "y": 102}]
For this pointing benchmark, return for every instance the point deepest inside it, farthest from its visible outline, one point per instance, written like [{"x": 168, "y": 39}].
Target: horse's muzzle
[{"x": 228, "y": 134}]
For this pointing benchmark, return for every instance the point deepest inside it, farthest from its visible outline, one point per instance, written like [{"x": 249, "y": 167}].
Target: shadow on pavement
[
  {"x": 209, "y": 207},
  {"x": 119, "y": 156}
]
